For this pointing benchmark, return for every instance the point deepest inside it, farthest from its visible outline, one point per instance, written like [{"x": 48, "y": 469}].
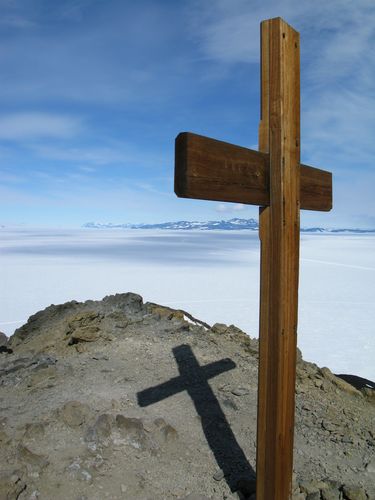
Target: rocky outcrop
[{"x": 122, "y": 399}]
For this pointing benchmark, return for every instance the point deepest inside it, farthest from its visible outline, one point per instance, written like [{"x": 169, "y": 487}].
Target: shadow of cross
[{"x": 193, "y": 378}]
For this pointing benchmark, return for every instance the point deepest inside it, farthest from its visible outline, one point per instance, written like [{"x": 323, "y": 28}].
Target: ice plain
[{"x": 214, "y": 275}]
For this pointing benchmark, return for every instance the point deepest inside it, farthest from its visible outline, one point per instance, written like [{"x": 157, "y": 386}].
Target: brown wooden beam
[
  {"x": 208, "y": 169},
  {"x": 279, "y": 134}
]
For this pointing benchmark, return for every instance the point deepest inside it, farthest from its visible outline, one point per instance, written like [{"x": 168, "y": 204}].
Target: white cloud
[
  {"x": 230, "y": 207},
  {"x": 34, "y": 125},
  {"x": 94, "y": 155},
  {"x": 16, "y": 21},
  {"x": 99, "y": 156},
  {"x": 228, "y": 30}
]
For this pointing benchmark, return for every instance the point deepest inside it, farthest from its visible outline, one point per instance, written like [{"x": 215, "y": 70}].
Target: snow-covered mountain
[
  {"x": 228, "y": 225},
  {"x": 204, "y": 226}
]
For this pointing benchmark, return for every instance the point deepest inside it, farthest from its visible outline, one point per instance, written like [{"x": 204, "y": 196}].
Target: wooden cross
[{"x": 274, "y": 179}]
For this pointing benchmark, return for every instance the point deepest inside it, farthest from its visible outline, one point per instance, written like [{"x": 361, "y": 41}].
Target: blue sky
[{"x": 93, "y": 93}]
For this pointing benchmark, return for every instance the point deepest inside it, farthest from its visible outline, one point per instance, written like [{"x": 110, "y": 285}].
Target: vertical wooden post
[{"x": 279, "y": 135}]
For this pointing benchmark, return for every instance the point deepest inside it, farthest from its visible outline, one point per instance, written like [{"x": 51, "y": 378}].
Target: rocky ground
[{"x": 119, "y": 399}]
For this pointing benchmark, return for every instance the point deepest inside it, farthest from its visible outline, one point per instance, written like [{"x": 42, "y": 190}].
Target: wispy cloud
[
  {"x": 35, "y": 125},
  {"x": 98, "y": 155},
  {"x": 230, "y": 207}
]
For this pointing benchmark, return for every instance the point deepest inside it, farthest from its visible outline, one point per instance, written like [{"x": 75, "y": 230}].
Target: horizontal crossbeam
[{"x": 208, "y": 169}]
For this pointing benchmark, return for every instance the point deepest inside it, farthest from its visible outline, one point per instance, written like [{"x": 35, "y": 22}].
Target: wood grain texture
[
  {"x": 279, "y": 232},
  {"x": 208, "y": 169},
  {"x": 264, "y": 235}
]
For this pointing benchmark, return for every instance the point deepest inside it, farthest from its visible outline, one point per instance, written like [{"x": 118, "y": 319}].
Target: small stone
[
  {"x": 354, "y": 493},
  {"x": 85, "y": 476},
  {"x": 240, "y": 391},
  {"x": 34, "y": 430},
  {"x": 228, "y": 403},
  {"x": 219, "y": 475},
  {"x": 132, "y": 429},
  {"x": 123, "y": 488},
  {"x": 74, "y": 413},
  {"x": 80, "y": 348},
  {"x": 75, "y": 471},
  {"x": 34, "y": 462},
  {"x": 103, "y": 425},
  {"x": 331, "y": 494},
  {"x": 310, "y": 487},
  {"x": 4, "y": 438},
  {"x": 219, "y": 328},
  {"x": 169, "y": 433}
]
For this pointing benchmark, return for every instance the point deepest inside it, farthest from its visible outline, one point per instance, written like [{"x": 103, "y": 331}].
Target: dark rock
[
  {"x": 3, "y": 339},
  {"x": 126, "y": 302},
  {"x": 4, "y": 347}
]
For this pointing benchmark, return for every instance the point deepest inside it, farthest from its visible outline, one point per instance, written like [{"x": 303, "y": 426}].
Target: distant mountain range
[{"x": 227, "y": 225}]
